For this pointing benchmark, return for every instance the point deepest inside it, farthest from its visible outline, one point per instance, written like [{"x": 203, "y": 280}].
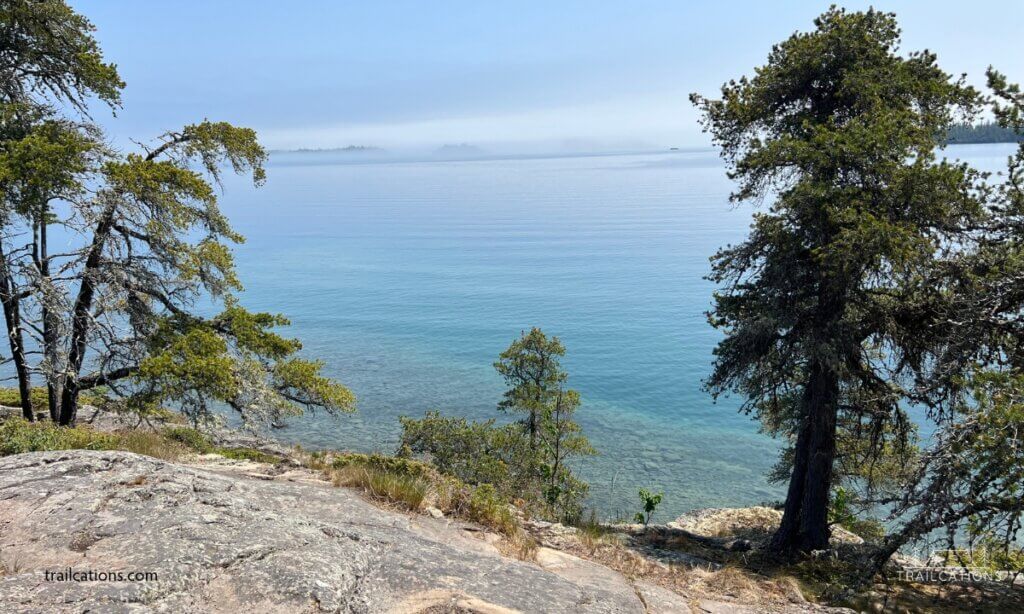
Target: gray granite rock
[
  {"x": 661, "y": 600},
  {"x": 228, "y": 543}
]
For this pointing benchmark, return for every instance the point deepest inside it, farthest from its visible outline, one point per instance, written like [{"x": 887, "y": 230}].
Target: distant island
[
  {"x": 461, "y": 149},
  {"x": 985, "y": 132},
  {"x": 346, "y": 149}
]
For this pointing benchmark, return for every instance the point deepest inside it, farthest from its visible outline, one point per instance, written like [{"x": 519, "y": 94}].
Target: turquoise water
[{"x": 409, "y": 278}]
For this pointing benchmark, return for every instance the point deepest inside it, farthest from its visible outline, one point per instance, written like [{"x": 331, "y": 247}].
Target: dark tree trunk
[
  {"x": 80, "y": 319},
  {"x": 805, "y": 519},
  {"x": 49, "y": 332},
  {"x": 12, "y": 317},
  {"x": 814, "y": 531},
  {"x": 785, "y": 537}
]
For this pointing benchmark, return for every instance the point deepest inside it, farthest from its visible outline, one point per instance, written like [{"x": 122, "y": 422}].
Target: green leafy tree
[
  {"x": 529, "y": 460},
  {"x": 532, "y": 370},
  {"x": 50, "y": 59},
  {"x": 561, "y": 439},
  {"x": 50, "y": 55},
  {"x": 531, "y": 367},
  {"x": 968, "y": 483},
  {"x": 837, "y": 133},
  {"x": 147, "y": 241}
]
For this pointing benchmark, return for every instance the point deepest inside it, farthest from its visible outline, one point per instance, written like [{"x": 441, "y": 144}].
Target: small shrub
[
  {"x": 486, "y": 507},
  {"x": 473, "y": 452},
  {"x": 18, "y": 436},
  {"x": 841, "y": 512},
  {"x": 389, "y": 464},
  {"x": 248, "y": 454},
  {"x": 152, "y": 444},
  {"x": 650, "y": 502},
  {"x": 411, "y": 482},
  {"x": 190, "y": 438},
  {"x": 11, "y": 397}
]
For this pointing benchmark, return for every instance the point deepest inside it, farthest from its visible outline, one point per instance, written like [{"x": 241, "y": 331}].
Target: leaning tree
[
  {"x": 146, "y": 246},
  {"x": 48, "y": 59},
  {"x": 836, "y": 135}
]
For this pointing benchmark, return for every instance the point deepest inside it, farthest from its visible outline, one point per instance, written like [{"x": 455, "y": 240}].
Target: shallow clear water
[{"x": 408, "y": 279}]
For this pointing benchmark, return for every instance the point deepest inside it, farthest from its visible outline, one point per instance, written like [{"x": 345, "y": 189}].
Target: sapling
[{"x": 650, "y": 502}]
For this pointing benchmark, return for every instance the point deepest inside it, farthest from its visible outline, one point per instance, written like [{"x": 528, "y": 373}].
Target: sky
[{"x": 525, "y": 74}]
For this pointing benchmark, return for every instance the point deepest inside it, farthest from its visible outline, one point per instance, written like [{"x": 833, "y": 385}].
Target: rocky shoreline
[{"x": 226, "y": 534}]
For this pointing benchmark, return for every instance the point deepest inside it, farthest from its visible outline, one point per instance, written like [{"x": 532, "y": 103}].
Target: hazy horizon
[{"x": 508, "y": 77}]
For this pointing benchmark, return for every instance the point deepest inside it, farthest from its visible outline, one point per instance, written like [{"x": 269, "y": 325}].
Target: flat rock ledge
[{"x": 222, "y": 542}]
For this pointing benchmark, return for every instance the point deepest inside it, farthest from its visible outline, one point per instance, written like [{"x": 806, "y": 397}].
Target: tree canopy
[
  {"x": 836, "y": 134},
  {"x": 148, "y": 241}
]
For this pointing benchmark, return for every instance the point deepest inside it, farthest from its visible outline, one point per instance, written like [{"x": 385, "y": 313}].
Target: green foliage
[
  {"x": 821, "y": 306},
  {"x": 487, "y": 507},
  {"x": 151, "y": 243},
  {"x": 840, "y": 507},
  {"x": 411, "y": 483},
  {"x": 390, "y": 464},
  {"x": 10, "y": 397},
  {"x": 473, "y": 452},
  {"x": 841, "y": 511},
  {"x": 217, "y": 143},
  {"x": 236, "y": 359},
  {"x": 52, "y": 54},
  {"x": 561, "y": 439},
  {"x": 650, "y": 502},
  {"x": 527, "y": 460},
  {"x": 18, "y": 436},
  {"x": 392, "y": 486},
  {"x": 42, "y": 160},
  {"x": 988, "y": 551},
  {"x": 190, "y": 438},
  {"x": 533, "y": 373}
]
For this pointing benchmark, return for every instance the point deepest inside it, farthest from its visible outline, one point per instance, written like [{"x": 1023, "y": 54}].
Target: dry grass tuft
[
  {"x": 151, "y": 443},
  {"x": 520, "y": 545},
  {"x": 10, "y": 565},
  {"x": 393, "y": 487}
]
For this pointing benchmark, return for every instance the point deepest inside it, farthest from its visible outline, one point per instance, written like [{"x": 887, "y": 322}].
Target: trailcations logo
[{"x": 959, "y": 566}]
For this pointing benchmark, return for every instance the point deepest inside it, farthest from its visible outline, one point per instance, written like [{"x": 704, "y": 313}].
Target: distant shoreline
[
  {"x": 983, "y": 133},
  {"x": 386, "y": 157}
]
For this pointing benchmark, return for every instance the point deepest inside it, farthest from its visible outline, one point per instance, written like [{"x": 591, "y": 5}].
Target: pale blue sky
[{"x": 519, "y": 73}]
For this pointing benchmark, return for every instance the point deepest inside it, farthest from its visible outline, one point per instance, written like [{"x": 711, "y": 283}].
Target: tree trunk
[
  {"x": 80, "y": 319},
  {"x": 785, "y": 537},
  {"x": 814, "y": 531},
  {"x": 49, "y": 326},
  {"x": 805, "y": 519},
  {"x": 12, "y": 316}
]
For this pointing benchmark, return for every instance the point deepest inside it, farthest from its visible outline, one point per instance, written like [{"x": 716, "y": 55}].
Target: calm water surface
[{"x": 408, "y": 279}]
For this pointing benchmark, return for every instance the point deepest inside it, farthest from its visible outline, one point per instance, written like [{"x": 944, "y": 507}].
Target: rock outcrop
[{"x": 230, "y": 542}]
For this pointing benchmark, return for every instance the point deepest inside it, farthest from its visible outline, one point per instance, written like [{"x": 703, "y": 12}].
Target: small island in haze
[{"x": 461, "y": 149}]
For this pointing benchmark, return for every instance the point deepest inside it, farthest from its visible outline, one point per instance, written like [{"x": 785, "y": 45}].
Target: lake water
[{"x": 409, "y": 278}]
